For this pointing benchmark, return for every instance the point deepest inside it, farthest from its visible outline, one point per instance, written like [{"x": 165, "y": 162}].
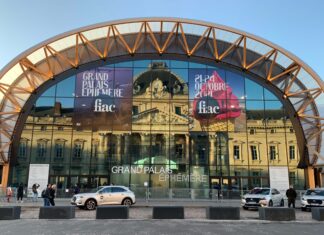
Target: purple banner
[{"x": 103, "y": 99}]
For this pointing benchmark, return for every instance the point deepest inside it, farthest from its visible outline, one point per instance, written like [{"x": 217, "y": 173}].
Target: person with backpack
[
  {"x": 46, "y": 195},
  {"x": 35, "y": 192}
]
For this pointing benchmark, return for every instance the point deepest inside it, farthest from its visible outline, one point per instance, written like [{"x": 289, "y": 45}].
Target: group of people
[
  {"x": 20, "y": 193},
  {"x": 48, "y": 195}
]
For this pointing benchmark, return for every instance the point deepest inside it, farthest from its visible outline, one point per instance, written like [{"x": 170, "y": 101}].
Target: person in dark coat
[
  {"x": 52, "y": 195},
  {"x": 76, "y": 189},
  {"x": 20, "y": 192},
  {"x": 291, "y": 195},
  {"x": 46, "y": 195}
]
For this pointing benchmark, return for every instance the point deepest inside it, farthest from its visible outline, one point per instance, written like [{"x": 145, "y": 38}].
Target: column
[
  {"x": 212, "y": 141},
  {"x": 187, "y": 149},
  {"x": 118, "y": 148}
]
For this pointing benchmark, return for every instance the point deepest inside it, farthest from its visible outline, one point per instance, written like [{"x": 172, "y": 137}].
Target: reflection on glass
[
  {"x": 203, "y": 124},
  {"x": 253, "y": 90},
  {"x": 66, "y": 88}
]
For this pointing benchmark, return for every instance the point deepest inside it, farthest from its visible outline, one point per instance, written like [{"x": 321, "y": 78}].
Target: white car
[
  {"x": 262, "y": 197},
  {"x": 118, "y": 195},
  {"x": 312, "y": 198}
]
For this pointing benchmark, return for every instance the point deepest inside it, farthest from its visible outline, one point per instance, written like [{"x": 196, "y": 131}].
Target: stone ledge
[
  {"x": 57, "y": 212},
  {"x": 168, "y": 212},
  {"x": 318, "y": 213},
  {"x": 112, "y": 212},
  {"x": 10, "y": 212},
  {"x": 277, "y": 214},
  {"x": 223, "y": 213}
]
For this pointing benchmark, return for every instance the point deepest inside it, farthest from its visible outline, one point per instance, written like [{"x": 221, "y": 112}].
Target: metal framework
[{"x": 296, "y": 82}]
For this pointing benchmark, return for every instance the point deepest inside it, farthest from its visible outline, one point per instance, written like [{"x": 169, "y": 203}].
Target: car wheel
[
  {"x": 303, "y": 209},
  {"x": 282, "y": 203},
  {"x": 90, "y": 204},
  {"x": 270, "y": 203},
  {"x": 127, "y": 202},
  {"x": 245, "y": 208}
]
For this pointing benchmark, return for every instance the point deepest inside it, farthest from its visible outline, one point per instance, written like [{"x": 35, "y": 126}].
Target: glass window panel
[
  {"x": 63, "y": 111},
  {"x": 179, "y": 116},
  {"x": 44, "y": 107},
  {"x": 142, "y": 120},
  {"x": 235, "y": 86},
  {"x": 126, "y": 64},
  {"x": 199, "y": 148},
  {"x": 122, "y": 115},
  {"x": 268, "y": 95},
  {"x": 199, "y": 180},
  {"x": 253, "y": 90},
  {"x": 123, "y": 83},
  {"x": 142, "y": 63},
  {"x": 178, "y": 64},
  {"x": 121, "y": 177},
  {"x": 179, "y": 82},
  {"x": 50, "y": 91},
  {"x": 197, "y": 65},
  {"x": 142, "y": 79},
  {"x": 179, "y": 181},
  {"x": 81, "y": 147},
  {"x": 160, "y": 116},
  {"x": 66, "y": 88},
  {"x": 275, "y": 118},
  {"x": 166, "y": 63},
  {"x": 61, "y": 146},
  {"x": 255, "y": 114}
]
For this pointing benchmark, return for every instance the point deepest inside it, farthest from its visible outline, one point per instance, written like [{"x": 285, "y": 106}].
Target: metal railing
[{"x": 149, "y": 193}]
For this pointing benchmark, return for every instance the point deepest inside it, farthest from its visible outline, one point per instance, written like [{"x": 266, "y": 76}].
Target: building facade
[{"x": 165, "y": 107}]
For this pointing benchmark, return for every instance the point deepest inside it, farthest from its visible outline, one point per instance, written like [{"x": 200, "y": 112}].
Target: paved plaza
[{"x": 140, "y": 221}]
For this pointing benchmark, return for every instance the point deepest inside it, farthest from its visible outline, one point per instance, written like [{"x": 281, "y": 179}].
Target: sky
[{"x": 295, "y": 25}]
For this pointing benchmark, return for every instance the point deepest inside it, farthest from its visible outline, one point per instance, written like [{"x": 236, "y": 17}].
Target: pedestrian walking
[
  {"x": 35, "y": 192},
  {"x": 52, "y": 195},
  {"x": 46, "y": 195},
  {"x": 291, "y": 195},
  {"x": 76, "y": 189},
  {"x": 219, "y": 191},
  {"x": 9, "y": 193},
  {"x": 20, "y": 192}
]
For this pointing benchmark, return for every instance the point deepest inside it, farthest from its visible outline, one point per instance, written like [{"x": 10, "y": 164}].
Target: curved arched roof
[{"x": 296, "y": 81}]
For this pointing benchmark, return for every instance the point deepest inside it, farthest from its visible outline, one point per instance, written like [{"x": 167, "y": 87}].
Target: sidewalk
[
  {"x": 142, "y": 210},
  {"x": 144, "y": 203},
  {"x": 27, "y": 202}
]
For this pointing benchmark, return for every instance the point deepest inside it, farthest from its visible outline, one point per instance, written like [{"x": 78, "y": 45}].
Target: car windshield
[
  {"x": 262, "y": 191},
  {"x": 315, "y": 192}
]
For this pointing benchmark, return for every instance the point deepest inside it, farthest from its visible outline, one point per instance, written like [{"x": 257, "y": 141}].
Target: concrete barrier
[
  {"x": 223, "y": 213},
  {"x": 168, "y": 212},
  {"x": 10, "y": 212},
  {"x": 318, "y": 213},
  {"x": 57, "y": 212},
  {"x": 112, "y": 212},
  {"x": 277, "y": 214}
]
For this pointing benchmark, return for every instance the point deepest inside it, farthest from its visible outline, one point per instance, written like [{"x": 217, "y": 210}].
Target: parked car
[
  {"x": 262, "y": 197},
  {"x": 104, "y": 196},
  {"x": 312, "y": 198}
]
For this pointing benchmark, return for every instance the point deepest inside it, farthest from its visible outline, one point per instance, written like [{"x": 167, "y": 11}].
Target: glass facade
[{"x": 173, "y": 124}]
